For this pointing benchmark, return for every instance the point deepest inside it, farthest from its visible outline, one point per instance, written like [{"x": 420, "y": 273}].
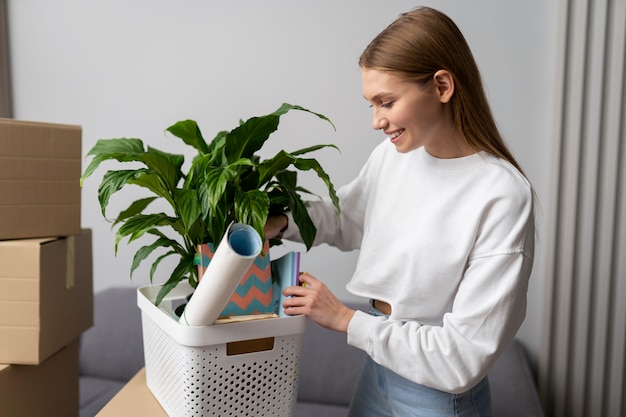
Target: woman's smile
[{"x": 395, "y": 135}]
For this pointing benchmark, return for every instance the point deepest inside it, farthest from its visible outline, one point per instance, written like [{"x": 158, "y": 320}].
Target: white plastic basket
[{"x": 245, "y": 369}]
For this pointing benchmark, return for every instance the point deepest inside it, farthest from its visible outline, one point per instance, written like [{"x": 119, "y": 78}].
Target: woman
[{"x": 443, "y": 218}]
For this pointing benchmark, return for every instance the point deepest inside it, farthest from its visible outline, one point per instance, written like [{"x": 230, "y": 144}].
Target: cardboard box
[
  {"x": 49, "y": 389},
  {"x": 46, "y": 296},
  {"x": 40, "y": 169}
]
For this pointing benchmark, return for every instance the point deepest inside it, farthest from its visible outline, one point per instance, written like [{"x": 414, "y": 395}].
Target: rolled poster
[{"x": 240, "y": 246}]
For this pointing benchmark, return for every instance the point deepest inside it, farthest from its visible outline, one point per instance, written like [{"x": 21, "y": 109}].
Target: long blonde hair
[{"x": 420, "y": 43}]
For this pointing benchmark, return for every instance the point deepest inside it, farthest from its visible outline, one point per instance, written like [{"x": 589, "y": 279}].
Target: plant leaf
[
  {"x": 285, "y": 107},
  {"x": 154, "y": 183},
  {"x": 303, "y": 220},
  {"x": 178, "y": 274},
  {"x": 313, "y": 149},
  {"x": 113, "y": 181},
  {"x": 308, "y": 164},
  {"x": 136, "y": 207},
  {"x": 175, "y": 244},
  {"x": 189, "y": 132},
  {"x": 215, "y": 179},
  {"x": 214, "y": 186},
  {"x": 166, "y": 165},
  {"x": 287, "y": 179},
  {"x": 105, "y": 148},
  {"x": 187, "y": 206},
  {"x": 136, "y": 226},
  {"x": 216, "y": 226},
  {"x": 251, "y": 207},
  {"x": 156, "y": 263},
  {"x": 270, "y": 167},
  {"x": 145, "y": 251},
  {"x": 216, "y": 149},
  {"x": 249, "y": 137},
  {"x": 118, "y": 145}
]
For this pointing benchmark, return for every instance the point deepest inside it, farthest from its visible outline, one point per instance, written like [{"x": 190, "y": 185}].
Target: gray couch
[{"x": 111, "y": 352}]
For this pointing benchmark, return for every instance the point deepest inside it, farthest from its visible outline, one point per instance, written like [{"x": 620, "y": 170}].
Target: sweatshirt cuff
[
  {"x": 292, "y": 232},
  {"x": 358, "y": 331}
]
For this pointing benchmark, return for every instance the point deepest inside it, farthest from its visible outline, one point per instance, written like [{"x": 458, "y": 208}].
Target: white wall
[{"x": 132, "y": 68}]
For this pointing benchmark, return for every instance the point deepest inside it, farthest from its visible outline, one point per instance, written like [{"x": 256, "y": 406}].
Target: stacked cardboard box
[{"x": 46, "y": 288}]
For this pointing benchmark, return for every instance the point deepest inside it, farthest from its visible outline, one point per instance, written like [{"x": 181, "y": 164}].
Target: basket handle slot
[{"x": 249, "y": 346}]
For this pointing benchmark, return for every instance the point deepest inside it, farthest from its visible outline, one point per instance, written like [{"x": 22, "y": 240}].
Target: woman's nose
[{"x": 378, "y": 122}]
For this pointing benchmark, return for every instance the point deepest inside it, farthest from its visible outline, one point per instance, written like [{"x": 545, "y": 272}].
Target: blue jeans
[{"x": 383, "y": 393}]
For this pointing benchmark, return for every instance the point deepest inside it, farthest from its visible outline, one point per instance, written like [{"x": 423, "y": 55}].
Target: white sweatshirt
[{"x": 449, "y": 244}]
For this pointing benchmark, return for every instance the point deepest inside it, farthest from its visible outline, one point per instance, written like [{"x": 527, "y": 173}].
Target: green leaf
[
  {"x": 145, "y": 251},
  {"x": 181, "y": 272},
  {"x": 113, "y": 181},
  {"x": 104, "y": 149},
  {"x": 303, "y": 220},
  {"x": 214, "y": 186},
  {"x": 187, "y": 206},
  {"x": 197, "y": 232},
  {"x": 251, "y": 207},
  {"x": 277, "y": 164},
  {"x": 119, "y": 145},
  {"x": 166, "y": 288},
  {"x": 175, "y": 244},
  {"x": 308, "y": 164},
  {"x": 271, "y": 167},
  {"x": 313, "y": 149},
  {"x": 136, "y": 207},
  {"x": 216, "y": 226},
  {"x": 249, "y": 137},
  {"x": 287, "y": 179},
  {"x": 138, "y": 225},
  {"x": 154, "y": 183},
  {"x": 216, "y": 149},
  {"x": 166, "y": 165},
  {"x": 189, "y": 132},
  {"x": 214, "y": 182},
  {"x": 285, "y": 107},
  {"x": 157, "y": 262}
]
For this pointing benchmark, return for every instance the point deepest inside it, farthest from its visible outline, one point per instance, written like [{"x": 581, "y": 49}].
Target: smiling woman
[{"x": 5, "y": 79}]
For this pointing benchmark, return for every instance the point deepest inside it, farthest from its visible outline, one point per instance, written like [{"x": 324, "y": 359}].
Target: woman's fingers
[{"x": 316, "y": 301}]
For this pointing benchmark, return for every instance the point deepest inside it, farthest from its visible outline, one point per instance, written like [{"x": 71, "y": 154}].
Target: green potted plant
[{"x": 226, "y": 181}]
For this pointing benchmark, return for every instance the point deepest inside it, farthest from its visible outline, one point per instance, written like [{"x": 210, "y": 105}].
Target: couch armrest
[
  {"x": 113, "y": 347},
  {"x": 513, "y": 387}
]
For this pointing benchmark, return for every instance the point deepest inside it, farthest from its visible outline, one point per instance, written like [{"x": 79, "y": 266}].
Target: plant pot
[{"x": 254, "y": 294}]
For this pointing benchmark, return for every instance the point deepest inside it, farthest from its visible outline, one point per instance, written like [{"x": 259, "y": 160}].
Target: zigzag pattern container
[
  {"x": 254, "y": 295},
  {"x": 246, "y": 369}
]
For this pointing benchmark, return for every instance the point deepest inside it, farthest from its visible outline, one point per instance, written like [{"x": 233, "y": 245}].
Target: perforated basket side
[
  {"x": 247, "y": 385},
  {"x": 162, "y": 365},
  {"x": 206, "y": 381}
]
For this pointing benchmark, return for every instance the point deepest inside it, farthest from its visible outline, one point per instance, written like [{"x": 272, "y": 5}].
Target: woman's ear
[{"x": 444, "y": 83}]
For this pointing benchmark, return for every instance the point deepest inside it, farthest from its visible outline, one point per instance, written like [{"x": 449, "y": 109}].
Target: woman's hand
[
  {"x": 316, "y": 301},
  {"x": 275, "y": 226}
]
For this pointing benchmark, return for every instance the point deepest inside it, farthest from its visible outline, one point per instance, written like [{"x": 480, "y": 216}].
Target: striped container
[{"x": 254, "y": 294}]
